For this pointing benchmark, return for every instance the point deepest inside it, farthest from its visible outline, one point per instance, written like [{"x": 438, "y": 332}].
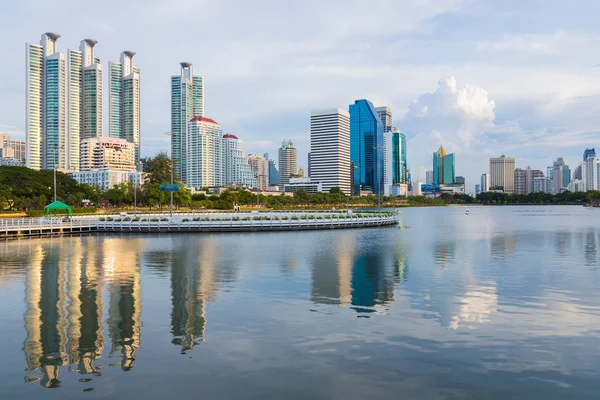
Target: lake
[{"x": 502, "y": 303}]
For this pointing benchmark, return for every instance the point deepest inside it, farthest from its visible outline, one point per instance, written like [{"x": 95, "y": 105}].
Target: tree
[
  {"x": 335, "y": 190},
  {"x": 158, "y": 169}
]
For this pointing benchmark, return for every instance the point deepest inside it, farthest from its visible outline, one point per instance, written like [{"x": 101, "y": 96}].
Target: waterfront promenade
[{"x": 196, "y": 222}]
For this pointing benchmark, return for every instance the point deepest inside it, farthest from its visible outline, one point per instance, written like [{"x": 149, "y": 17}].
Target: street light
[
  {"x": 56, "y": 147},
  {"x": 378, "y": 178},
  {"x": 258, "y": 186},
  {"x": 138, "y": 179},
  {"x": 354, "y": 166},
  {"x": 172, "y": 166}
]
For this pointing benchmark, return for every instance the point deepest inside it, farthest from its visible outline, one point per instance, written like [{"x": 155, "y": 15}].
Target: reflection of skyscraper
[
  {"x": 125, "y": 304},
  {"x": 332, "y": 273},
  {"x": 64, "y": 309},
  {"x": 192, "y": 285}
]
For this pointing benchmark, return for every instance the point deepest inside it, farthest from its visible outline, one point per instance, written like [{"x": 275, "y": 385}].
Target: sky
[{"x": 480, "y": 77}]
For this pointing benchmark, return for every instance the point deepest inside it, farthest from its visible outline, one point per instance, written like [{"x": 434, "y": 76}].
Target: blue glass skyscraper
[{"x": 366, "y": 147}]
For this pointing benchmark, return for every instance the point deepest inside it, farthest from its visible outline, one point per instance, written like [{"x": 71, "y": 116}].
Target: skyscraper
[
  {"x": 561, "y": 175},
  {"x": 366, "y": 147},
  {"x": 237, "y": 169},
  {"x": 288, "y": 162},
  {"x": 330, "y": 148},
  {"x": 525, "y": 180},
  {"x": 429, "y": 177},
  {"x": 273, "y": 172},
  {"x": 589, "y": 153},
  {"x": 205, "y": 159},
  {"x": 84, "y": 87},
  {"x": 443, "y": 167},
  {"x": 485, "y": 182},
  {"x": 502, "y": 173},
  {"x": 187, "y": 102},
  {"x": 385, "y": 115},
  {"x": 124, "y": 101},
  {"x": 394, "y": 159},
  {"x": 45, "y": 124},
  {"x": 260, "y": 168}
]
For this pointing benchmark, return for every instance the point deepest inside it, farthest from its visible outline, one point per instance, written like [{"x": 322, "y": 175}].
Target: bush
[
  {"x": 135, "y": 219},
  {"x": 144, "y": 219},
  {"x": 164, "y": 219},
  {"x": 154, "y": 220},
  {"x": 196, "y": 219},
  {"x": 110, "y": 219},
  {"x": 126, "y": 219},
  {"x": 102, "y": 219}
]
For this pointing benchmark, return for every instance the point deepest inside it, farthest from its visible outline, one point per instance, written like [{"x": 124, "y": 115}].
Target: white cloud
[{"x": 547, "y": 43}]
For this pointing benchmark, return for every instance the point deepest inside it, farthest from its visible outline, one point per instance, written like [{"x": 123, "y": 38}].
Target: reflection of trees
[
  {"x": 444, "y": 252},
  {"x": 503, "y": 246},
  {"x": 590, "y": 248}
]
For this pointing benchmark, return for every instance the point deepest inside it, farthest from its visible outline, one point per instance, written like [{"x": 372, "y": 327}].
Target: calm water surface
[{"x": 502, "y": 303}]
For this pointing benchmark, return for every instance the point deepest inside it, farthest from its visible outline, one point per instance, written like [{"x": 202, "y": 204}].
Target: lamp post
[
  {"x": 354, "y": 166},
  {"x": 258, "y": 186},
  {"x": 172, "y": 134},
  {"x": 376, "y": 148},
  {"x": 56, "y": 147},
  {"x": 138, "y": 179}
]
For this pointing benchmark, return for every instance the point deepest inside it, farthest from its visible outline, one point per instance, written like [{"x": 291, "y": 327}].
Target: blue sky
[{"x": 483, "y": 78}]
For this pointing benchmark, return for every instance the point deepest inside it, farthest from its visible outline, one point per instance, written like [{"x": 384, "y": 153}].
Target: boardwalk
[{"x": 200, "y": 222}]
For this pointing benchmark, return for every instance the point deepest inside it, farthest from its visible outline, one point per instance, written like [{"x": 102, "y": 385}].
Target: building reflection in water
[
  {"x": 362, "y": 278},
  {"x": 64, "y": 306},
  {"x": 192, "y": 285}
]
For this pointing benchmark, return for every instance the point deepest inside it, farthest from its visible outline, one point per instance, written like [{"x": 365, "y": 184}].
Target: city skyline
[{"x": 527, "y": 98}]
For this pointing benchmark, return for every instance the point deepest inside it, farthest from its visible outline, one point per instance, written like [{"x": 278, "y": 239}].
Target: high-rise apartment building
[
  {"x": 590, "y": 173},
  {"x": 237, "y": 169},
  {"x": 589, "y": 153},
  {"x": 124, "y": 101},
  {"x": 485, "y": 182},
  {"x": 366, "y": 147},
  {"x": 107, "y": 153},
  {"x": 214, "y": 159},
  {"x": 260, "y": 168},
  {"x": 502, "y": 174},
  {"x": 187, "y": 102},
  {"x": 45, "y": 125},
  {"x": 288, "y": 162},
  {"x": 330, "y": 149},
  {"x": 84, "y": 89},
  {"x": 525, "y": 180},
  {"x": 12, "y": 149},
  {"x": 443, "y": 167},
  {"x": 385, "y": 115}
]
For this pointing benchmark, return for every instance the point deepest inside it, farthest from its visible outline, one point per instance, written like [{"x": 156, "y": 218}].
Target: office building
[
  {"x": 589, "y": 153},
  {"x": 45, "y": 125},
  {"x": 237, "y": 169},
  {"x": 542, "y": 184},
  {"x": 273, "y": 172},
  {"x": 485, "y": 182},
  {"x": 394, "y": 153},
  {"x": 187, "y": 102},
  {"x": 288, "y": 162},
  {"x": 576, "y": 185},
  {"x": 561, "y": 175},
  {"x": 502, "y": 174},
  {"x": 84, "y": 89},
  {"x": 330, "y": 149},
  {"x": 460, "y": 180},
  {"x": 366, "y": 147},
  {"x": 477, "y": 188},
  {"x": 124, "y": 101},
  {"x": 12, "y": 149},
  {"x": 260, "y": 168},
  {"x": 429, "y": 177},
  {"x": 524, "y": 180},
  {"x": 107, "y": 153},
  {"x": 307, "y": 184},
  {"x": 577, "y": 173},
  {"x": 385, "y": 115},
  {"x": 443, "y": 167},
  {"x": 308, "y": 164}
]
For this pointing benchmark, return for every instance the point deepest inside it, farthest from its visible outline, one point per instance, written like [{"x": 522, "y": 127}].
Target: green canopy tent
[{"x": 56, "y": 206}]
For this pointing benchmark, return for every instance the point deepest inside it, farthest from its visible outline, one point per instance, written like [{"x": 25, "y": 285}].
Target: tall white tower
[
  {"x": 45, "y": 104},
  {"x": 124, "y": 101}
]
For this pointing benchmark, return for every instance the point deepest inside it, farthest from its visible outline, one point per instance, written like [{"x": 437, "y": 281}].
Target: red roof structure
[
  {"x": 204, "y": 119},
  {"x": 230, "y": 136}
]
